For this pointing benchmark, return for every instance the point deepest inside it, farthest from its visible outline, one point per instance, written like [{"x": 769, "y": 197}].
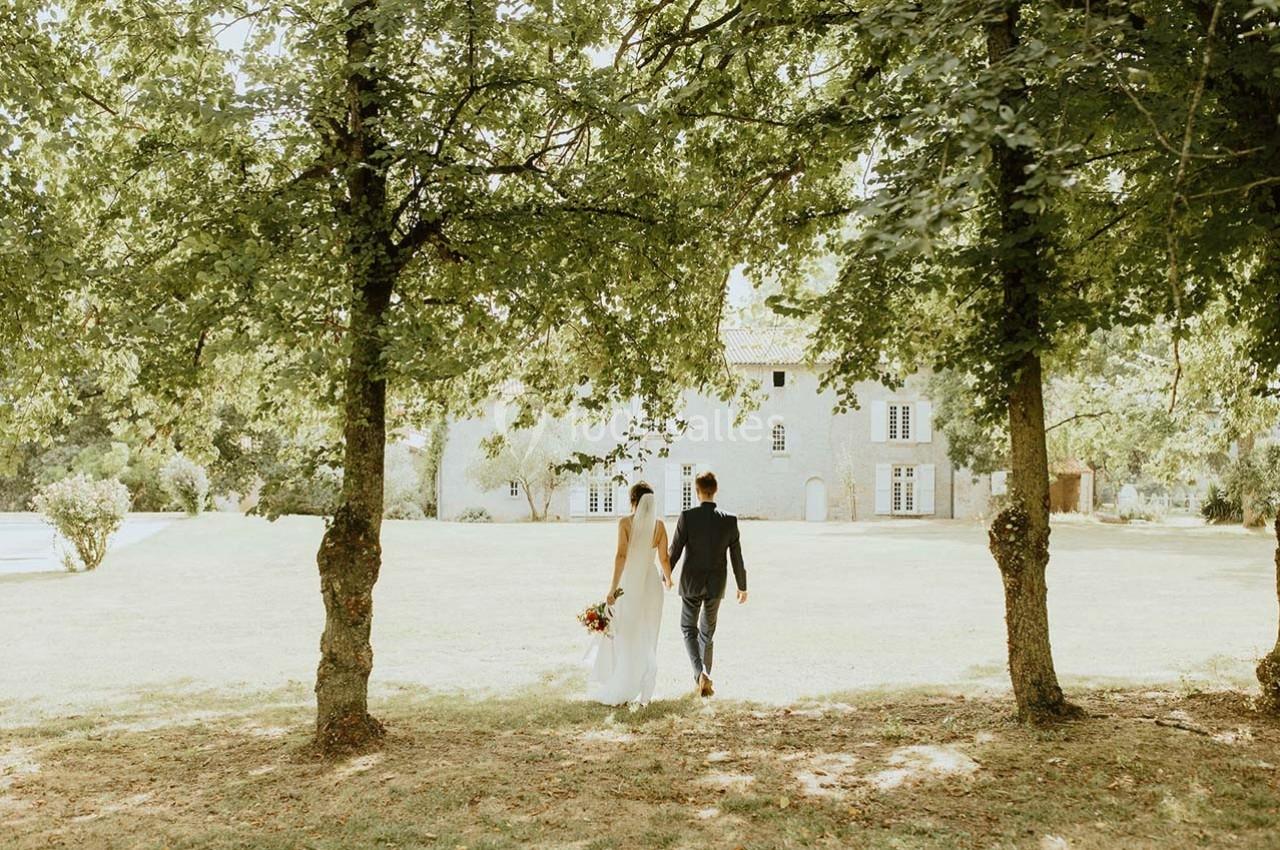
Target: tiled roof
[{"x": 763, "y": 346}]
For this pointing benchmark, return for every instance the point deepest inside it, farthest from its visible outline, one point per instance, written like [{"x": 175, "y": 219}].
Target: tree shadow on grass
[
  {"x": 544, "y": 706},
  {"x": 545, "y": 768},
  {"x": 36, "y": 575}
]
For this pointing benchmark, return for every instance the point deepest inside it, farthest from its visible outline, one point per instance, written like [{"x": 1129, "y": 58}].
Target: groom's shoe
[{"x": 704, "y": 686}]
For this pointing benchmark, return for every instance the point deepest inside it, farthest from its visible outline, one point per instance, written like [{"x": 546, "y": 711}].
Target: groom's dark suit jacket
[{"x": 708, "y": 539}]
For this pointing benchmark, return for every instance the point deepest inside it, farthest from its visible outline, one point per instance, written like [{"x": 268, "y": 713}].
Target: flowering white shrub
[
  {"x": 186, "y": 483},
  {"x": 85, "y": 512},
  {"x": 402, "y": 484}
]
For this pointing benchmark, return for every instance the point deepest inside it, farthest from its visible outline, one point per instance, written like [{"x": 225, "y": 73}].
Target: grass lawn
[
  {"x": 1150, "y": 770},
  {"x": 232, "y": 604},
  {"x": 164, "y": 701}
]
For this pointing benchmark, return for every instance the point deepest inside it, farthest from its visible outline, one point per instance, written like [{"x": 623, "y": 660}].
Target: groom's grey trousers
[{"x": 698, "y": 623}]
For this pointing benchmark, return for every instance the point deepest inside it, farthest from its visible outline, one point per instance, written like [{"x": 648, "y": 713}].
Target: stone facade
[{"x": 792, "y": 458}]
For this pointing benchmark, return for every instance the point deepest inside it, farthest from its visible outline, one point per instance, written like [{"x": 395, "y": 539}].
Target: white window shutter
[
  {"x": 671, "y": 490},
  {"x": 924, "y": 489},
  {"x": 924, "y": 422},
  {"x": 999, "y": 482},
  {"x": 883, "y": 473},
  {"x": 879, "y": 421},
  {"x": 578, "y": 500}
]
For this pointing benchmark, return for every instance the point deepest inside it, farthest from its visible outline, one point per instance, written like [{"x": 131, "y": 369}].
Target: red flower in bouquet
[{"x": 597, "y": 618}]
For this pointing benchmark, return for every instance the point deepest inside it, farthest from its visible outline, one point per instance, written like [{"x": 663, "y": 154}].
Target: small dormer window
[{"x": 779, "y": 378}]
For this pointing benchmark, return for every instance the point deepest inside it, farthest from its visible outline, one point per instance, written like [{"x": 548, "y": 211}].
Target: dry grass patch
[{"x": 1148, "y": 770}]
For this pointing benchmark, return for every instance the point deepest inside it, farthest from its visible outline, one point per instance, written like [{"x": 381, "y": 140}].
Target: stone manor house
[{"x": 797, "y": 460}]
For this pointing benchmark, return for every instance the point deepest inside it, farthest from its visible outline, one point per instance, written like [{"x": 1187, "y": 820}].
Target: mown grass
[{"x": 542, "y": 770}]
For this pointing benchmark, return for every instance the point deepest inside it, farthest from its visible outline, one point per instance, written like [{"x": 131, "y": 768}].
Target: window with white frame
[
  {"x": 513, "y": 489},
  {"x": 899, "y": 421},
  {"x": 600, "y": 496},
  {"x": 686, "y": 486},
  {"x": 904, "y": 490},
  {"x": 778, "y": 438}
]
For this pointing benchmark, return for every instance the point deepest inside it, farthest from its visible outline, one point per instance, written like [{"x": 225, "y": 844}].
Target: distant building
[
  {"x": 1071, "y": 487},
  {"x": 794, "y": 459}
]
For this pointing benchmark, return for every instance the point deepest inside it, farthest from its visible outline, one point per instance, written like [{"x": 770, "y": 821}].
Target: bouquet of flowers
[{"x": 598, "y": 617}]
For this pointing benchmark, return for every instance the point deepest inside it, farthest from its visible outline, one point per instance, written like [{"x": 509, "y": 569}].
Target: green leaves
[
  {"x": 545, "y": 222},
  {"x": 569, "y": 220}
]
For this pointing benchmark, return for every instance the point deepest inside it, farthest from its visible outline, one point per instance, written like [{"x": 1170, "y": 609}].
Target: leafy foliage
[
  {"x": 86, "y": 513},
  {"x": 1108, "y": 403},
  {"x": 90, "y": 436},
  {"x": 437, "y": 436},
  {"x": 402, "y": 484},
  {"x": 298, "y": 484},
  {"x": 537, "y": 216},
  {"x": 475, "y": 515},
  {"x": 186, "y": 483},
  {"x": 1219, "y": 507},
  {"x": 1251, "y": 485}
]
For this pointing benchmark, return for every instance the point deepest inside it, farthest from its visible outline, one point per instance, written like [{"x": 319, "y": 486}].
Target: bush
[
  {"x": 1252, "y": 482},
  {"x": 186, "y": 483},
  {"x": 430, "y": 467},
  {"x": 1140, "y": 513},
  {"x": 402, "y": 484},
  {"x": 143, "y": 479},
  {"x": 475, "y": 515},
  {"x": 86, "y": 513},
  {"x": 289, "y": 488},
  {"x": 404, "y": 510},
  {"x": 1220, "y": 507}
]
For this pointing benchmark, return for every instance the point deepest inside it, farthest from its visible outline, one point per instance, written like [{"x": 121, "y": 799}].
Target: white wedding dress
[{"x": 624, "y": 668}]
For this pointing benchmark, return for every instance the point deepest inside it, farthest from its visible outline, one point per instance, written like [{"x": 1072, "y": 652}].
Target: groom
[{"x": 709, "y": 535}]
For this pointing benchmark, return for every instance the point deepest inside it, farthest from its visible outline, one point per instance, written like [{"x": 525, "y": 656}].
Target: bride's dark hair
[{"x": 638, "y": 490}]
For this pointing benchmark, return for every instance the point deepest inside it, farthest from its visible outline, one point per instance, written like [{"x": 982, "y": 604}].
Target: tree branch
[
  {"x": 1094, "y": 415},
  {"x": 423, "y": 232}
]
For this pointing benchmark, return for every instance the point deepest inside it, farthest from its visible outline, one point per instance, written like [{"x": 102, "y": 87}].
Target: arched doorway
[{"x": 815, "y": 500}]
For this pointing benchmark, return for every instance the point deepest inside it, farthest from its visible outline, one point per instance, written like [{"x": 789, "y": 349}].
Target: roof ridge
[{"x": 774, "y": 344}]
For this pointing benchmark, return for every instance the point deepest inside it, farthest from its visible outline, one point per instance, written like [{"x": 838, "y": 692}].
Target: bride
[{"x": 625, "y": 668}]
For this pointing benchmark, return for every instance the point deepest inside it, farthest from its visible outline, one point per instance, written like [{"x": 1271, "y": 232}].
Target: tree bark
[
  {"x": 533, "y": 507},
  {"x": 1019, "y": 538},
  {"x": 1269, "y": 668},
  {"x": 350, "y": 555},
  {"x": 1019, "y": 535}
]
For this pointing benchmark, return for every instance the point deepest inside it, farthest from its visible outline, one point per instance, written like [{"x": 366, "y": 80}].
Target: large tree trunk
[
  {"x": 1269, "y": 667},
  {"x": 351, "y": 552},
  {"x": 1019, "y": 538},
  {"x": 1019, "y": 535}
]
